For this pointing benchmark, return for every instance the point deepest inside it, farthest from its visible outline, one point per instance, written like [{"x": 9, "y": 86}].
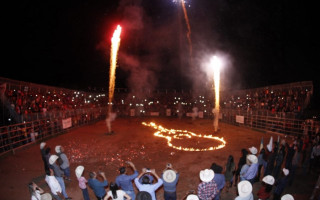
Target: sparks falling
[
  {"x": 115, "y": 44},
  {"x": 216, "y": 64},
  {"x": 170, "y": 134},
  {"x": 188, "y": 26}
]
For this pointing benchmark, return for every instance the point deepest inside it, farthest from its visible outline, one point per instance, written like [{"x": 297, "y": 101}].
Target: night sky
[{"x": 67, "y": 43}]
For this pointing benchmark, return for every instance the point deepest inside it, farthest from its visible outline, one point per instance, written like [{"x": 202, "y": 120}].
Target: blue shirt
[
  {"x": 98, "y": 187},
  {"x": 170, "y": 187},
  {"x": 220, "y": 180},
  {"x": 251, "y": 172},
  {"x": 125, "y": 181},
  {"x": 150, "y": 188}
]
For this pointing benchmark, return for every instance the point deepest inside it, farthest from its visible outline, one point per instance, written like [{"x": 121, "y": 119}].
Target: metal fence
[{"x": 42, "y": 127}]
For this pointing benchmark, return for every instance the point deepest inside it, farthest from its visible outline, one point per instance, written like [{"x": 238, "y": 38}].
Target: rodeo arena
[{"x": 58, "y": 143}]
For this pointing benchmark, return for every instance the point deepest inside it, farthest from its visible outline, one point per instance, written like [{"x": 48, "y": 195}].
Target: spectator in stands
[
  {"x": 229, "y": 172},
  {"x": 207, "y": 189},
  {"x": 116, "y": 194},
  {"x": 58, "y": 173},
  {"x": 124, "y": 180},
  {"x": 218, "y": 178},
  {"x": 242, "y": 161},
  {"x": 244, "y": 191},
  {"x": 170, "y": 179},
  {"x": 54, "y": 185},
  {"x": 252, "y": 171},
  {"x": 264, "y": 192},
  {"x": 97, "y": 186},
  {"x": 82, "y": 182},
  {"x": 280, "y": 184},
  {"x": 146, "y": 185},
  {"x": 64, "y": 165}
]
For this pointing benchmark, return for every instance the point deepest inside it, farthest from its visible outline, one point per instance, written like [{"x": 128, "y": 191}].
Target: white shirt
[
  {"x": 120, "y": 194},
  {"x": 36, "y": 195},
  {"x": 53, "y": 184}
]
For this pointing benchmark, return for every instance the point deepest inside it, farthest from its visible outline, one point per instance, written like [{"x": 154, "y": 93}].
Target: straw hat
[
  {"x": 53, "y": 159},
  {"x": 58, "y": 148},
  {"x": 79, "y": 171},
  {"x": 252, "y": 158},
  {"x": 253, "y": 150},
  {"x": 206, "y": 175},
  {"x": 268, "y": 179},
  {"x": 192, "y": 197},
  {"x": 169, "y": 176},
  {"x": 287, "y": 197},
  {"x": 244, "y": 188},
  {"x": 42, "y": 144}
]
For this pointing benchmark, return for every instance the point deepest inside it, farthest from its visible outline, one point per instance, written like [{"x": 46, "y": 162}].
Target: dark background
[{"x": 67, "y": 43}]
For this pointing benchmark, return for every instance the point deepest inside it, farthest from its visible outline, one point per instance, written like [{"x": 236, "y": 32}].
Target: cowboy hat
[
  {"x": 287, "y": 197},
  {"x": 169, "y": 176},
  {"x": 268, "y": 179},
  {"x": 58, "y": 150},
  {"x": 285, "y": 171},
  {"x": 244, "y": 188},
  {"x": 79, "y": 171},
  {"x": 206, "y": 175},
  {"x": 53, "y": 159},
  {"x": 42, "y": 144},
  {"x": 252, "y": 158},
  {"x": 192, "y": 197},
  {"x": 253, "y": 150}
]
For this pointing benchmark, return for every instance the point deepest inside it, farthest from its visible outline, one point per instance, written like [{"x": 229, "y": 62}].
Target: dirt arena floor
[{"x": 91, "y": 147}]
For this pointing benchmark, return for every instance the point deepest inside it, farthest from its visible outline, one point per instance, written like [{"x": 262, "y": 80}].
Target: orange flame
[{"x": 177, "y": 134}]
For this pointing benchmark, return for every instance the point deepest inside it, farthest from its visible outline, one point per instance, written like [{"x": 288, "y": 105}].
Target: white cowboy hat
[
  {"x": 79, "y": 171},
  {"x": 169, "y": 176},
  {"x": 46, "y": 196},
  {"x": 58, "y": 148},
  {"x": 192, "y": 197},
  {"x": 53, "y": 159},
  {"x": 268, "y": 179},
  {"x": 285, "y": 171},
  {"x": 42, "y": 144},
  {"x": 206, "y": 175},
  {"x": 244, "y": 188},
  {"x": 252, "y": 158},
  {"x": 287, "y": 197},
  {"x": 253, "y": 150}
]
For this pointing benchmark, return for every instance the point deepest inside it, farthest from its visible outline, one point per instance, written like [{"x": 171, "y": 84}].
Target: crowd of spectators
[{"x": 279, "y": 99}]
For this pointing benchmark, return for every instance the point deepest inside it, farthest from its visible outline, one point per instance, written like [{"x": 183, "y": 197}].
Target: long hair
[
  {"x": 114, "y": 188},
  {"x": 32, "y": 192},
  {"x": 230, "y": 162}
]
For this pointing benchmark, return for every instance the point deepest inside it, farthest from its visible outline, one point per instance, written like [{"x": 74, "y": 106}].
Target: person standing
[
  {"x": 252, "y": 171},
  {"x": 43, "y": 156},
  {"x": 229, "y": 172},
  {"x": 280, "y": 184},
  {"x": 219, "y": 178},
  {"x": 64, "y": 165},
  {"x": 35, "y": 191},
  {"x": 264, "y": 192},
  {"x": 242, "y": 161},
  {"x": 124, "y": 181},
  {"x": 207, "y": 189},
  {"x": 82, "y": 182},
  {"x": 58, "y": 173},
  {"x": 97, "y": 186},
  {"x": 54, "y": 185},
  {"x": 170, "y": 179},
  {"x": 116, "y": 194},
  {"x": 146, "y": 185},
  {"x": 244, "y": 191}
]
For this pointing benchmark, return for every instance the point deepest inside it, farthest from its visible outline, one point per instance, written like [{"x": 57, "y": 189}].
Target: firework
[
  {"x": 216, "y": 64},
  {"x": 115, "y": 44},
  {"x": 188, "y": 26}
]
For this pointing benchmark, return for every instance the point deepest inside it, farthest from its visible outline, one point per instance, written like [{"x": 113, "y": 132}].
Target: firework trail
[
  {"x": 188, "y": 26},
  {"x": 115, "y": 44}
]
